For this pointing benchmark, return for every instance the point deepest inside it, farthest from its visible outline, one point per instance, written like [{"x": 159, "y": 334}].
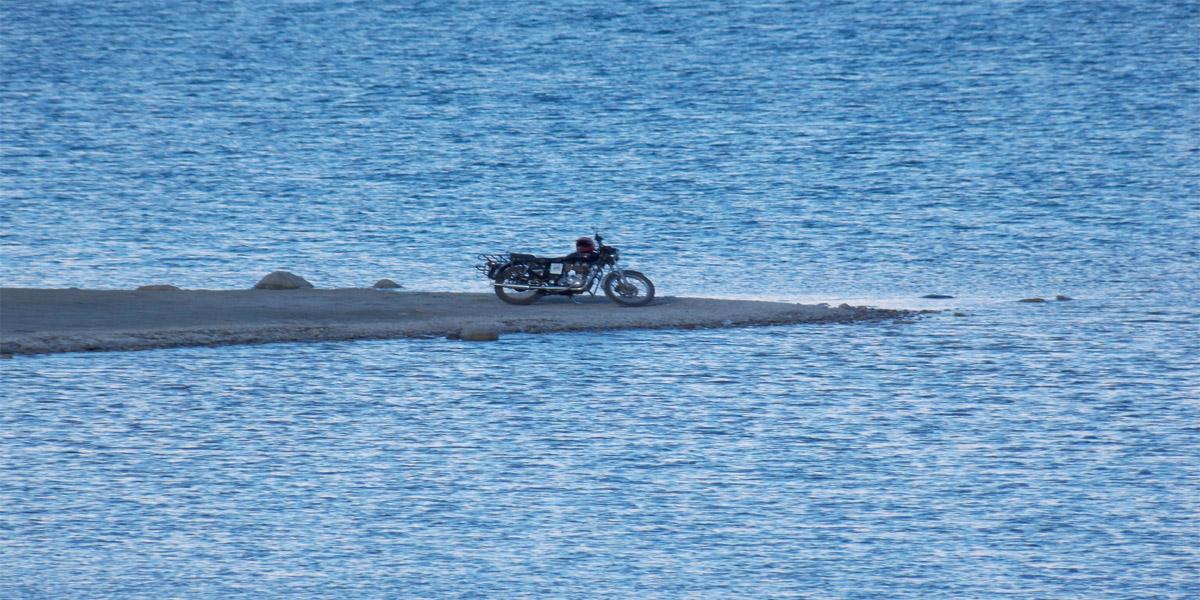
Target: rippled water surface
[
  {"x": 817, "y": 151},
  {"x": 953, "y": 457}
]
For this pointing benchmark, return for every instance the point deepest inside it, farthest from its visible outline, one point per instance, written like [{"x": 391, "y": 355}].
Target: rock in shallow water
[
  {"x": 937, "y": 296},
  {"x": 1062, "y": 298},
  {"x": 386, "y": 284},
  {"x": 479, "y": 333},
  {"x": 282, "y": 280},
  {"x": 1031, "y": 300}
]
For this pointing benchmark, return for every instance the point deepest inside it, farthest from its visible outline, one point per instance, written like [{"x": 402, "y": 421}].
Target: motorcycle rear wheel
[
  {"x": 635, "y": 290},
  {"x": 515, "y": 275}
]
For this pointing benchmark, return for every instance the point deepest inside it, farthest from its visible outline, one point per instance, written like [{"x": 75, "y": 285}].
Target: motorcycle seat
[{"x": 529, "y": 258}]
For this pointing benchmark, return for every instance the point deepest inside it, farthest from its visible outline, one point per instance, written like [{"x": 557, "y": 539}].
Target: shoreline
[{"x": 43, "y": 321}]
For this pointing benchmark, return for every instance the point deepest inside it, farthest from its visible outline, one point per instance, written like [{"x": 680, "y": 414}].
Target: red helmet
[{"x": 585, "y": 244}]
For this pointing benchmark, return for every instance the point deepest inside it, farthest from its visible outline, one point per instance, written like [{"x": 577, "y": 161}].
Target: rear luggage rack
[{"x": 490, "y": 261}]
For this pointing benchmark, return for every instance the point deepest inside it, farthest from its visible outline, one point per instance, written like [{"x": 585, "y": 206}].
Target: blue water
[{"x": 814, "y": 151}]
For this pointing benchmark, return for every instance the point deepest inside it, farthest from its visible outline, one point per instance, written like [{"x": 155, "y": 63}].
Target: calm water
[{"x": 822, "y": 151}]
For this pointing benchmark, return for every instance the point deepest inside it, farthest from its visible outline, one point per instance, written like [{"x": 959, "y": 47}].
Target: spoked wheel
[
  {"x": 634, "y": 289},
  {"x": 515, "y": 275}
]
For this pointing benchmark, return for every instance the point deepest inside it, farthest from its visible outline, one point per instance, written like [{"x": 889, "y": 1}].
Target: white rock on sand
[{"x": 282, "y": 280}]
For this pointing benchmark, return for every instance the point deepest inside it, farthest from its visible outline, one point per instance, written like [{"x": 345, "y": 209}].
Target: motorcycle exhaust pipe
[{"x": 525, "y": 288}]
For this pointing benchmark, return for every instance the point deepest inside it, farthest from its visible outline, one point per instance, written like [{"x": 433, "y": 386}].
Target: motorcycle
[{"x": 525, "y": 278}]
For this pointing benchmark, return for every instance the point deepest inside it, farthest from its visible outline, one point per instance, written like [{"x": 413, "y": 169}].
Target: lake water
[{"x": 810, "y": 151}]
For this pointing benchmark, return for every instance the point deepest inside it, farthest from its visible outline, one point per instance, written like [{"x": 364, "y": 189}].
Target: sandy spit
[{"x": 34, "y": 321}]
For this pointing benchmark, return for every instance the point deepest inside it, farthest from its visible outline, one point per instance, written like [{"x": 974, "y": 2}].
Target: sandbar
[{"x": 36, "y": 321}]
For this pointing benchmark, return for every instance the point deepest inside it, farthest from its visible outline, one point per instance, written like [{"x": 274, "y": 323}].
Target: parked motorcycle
[{"x": 525, "y": 278}]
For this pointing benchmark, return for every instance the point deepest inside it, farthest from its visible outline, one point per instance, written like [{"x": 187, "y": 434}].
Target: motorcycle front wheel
[
  {"x": 515, "y": 276},
  {"x": 634, "y": 289}
]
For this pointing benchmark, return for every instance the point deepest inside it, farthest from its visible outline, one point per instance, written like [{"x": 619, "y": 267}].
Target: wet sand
[{"x": 36, "y": 321}]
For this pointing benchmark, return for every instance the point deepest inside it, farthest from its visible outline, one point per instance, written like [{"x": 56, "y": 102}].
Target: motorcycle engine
[{"x": 571, "y": 279}]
